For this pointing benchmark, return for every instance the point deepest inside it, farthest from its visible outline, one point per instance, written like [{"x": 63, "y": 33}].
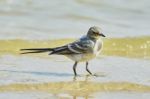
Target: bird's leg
[
  {"x": 74, "y": 68},
  {"x": 87, "y": 68}
]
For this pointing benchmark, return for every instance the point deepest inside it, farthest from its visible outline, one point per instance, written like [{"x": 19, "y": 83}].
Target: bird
[{"x": 83, "y": 49}]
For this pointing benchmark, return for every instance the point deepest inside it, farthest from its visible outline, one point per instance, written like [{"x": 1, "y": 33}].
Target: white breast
[
  {"x": 98, "y": 47},
  {"x": 88, "y": 56},
  {"x": 81, "y": 57}
]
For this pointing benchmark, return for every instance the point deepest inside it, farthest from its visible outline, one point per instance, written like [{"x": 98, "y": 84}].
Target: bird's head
[{"x": 95, "y": 32}]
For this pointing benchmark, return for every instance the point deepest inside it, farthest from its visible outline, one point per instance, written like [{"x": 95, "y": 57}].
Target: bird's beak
[{"x": 102, "y": 35}]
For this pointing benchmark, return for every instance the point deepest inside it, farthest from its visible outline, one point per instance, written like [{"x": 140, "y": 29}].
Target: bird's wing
[{"x": 77, "y": 47}]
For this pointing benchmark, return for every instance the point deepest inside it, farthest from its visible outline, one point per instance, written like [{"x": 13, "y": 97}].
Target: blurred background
[
  {"x": 123, "y": 67},
  {"x": 51, "y": 19}
]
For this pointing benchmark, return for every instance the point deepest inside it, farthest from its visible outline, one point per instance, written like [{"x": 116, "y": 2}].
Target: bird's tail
[{"x": 36, "y": 50}]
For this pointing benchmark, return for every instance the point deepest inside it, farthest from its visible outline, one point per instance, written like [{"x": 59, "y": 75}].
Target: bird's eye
[{"x": 96, "y": 33}]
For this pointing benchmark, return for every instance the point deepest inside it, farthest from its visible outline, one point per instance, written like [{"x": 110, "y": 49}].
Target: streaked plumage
[{"x": 84, "y": 49}]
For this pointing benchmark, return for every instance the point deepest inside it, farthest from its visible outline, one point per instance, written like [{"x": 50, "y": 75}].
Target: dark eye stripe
[{"x": 96, "y": 33}]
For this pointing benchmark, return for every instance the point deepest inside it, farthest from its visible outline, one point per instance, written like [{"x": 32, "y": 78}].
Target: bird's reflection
[
  {"x": 85, "y": 78},
  {"x": 77, "y": 93}
]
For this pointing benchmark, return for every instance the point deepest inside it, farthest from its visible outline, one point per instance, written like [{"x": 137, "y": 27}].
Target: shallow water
[
  {"x": 52, "y": 77},
  {"x": 122, "y": 70}
]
